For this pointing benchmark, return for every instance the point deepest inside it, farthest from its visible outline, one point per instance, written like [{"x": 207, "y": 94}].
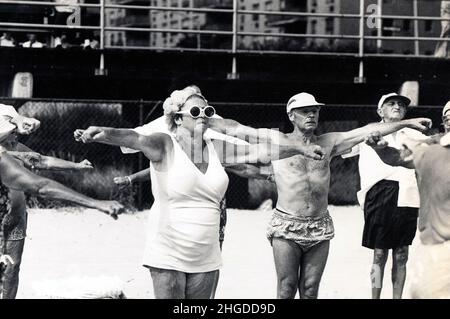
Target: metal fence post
[
  {"x": 379, "y": 25},
  {"x": 360, "y": 78},
  {"x": 101, "y": 70},
  {"x": 234, "y": 74},
  {"x": 416, "y": 28},
  {"x": 140, "y": 157}
]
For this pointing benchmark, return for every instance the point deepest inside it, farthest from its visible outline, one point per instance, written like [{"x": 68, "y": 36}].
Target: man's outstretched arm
[
  {"x": 252, "y": 171},
  {"x": 343, "y": 141},
  {"x": 389, "y": 155}
]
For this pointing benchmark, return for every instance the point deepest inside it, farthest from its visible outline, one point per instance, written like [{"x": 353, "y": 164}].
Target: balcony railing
[{"x": 231, "y": 26}]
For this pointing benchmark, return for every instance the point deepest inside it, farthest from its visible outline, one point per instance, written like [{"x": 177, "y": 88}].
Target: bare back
[{"x": 303, "y": 183}]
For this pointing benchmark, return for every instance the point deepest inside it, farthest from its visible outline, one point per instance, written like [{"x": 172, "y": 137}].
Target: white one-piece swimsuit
[{"x": 183, "y": 225}]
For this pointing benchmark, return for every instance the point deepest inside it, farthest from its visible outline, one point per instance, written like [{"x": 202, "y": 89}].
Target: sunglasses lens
[
  {"x": 209, "y": 111},
  {"x": 195, "y": 111}
]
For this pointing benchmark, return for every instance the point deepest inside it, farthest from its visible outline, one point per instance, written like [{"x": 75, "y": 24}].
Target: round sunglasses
[{"x": 196, "y": 111}]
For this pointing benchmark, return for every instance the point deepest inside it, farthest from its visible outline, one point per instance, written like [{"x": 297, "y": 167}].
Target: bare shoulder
[
  {"x": 327, "y": 139},
  {"x": 156, "y": 146}
]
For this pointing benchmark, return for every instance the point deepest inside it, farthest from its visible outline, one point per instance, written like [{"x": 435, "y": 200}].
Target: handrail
[
  {"x": 49, "y": 3},
  {"x": 233, "y": 8}
]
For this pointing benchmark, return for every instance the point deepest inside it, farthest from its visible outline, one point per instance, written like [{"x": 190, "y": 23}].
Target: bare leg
[
  {"x": 14, "y": 249},
  {"x": 399, "y": 260},
  {"x": 311, "y": 270},
  {"x": 201, "y": 285},
  {"x": 168, "y": 284},
  {"x": 377, "y": 273},
  {"x": 216, "y": 283},
  {"x": 287, "y": 256}
]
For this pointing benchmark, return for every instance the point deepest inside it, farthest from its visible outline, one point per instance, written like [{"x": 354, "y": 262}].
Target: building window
[
  {"x": 257, "y": 25},
  {"x": 255, "y": 6},
  {"x": 329, "y": 25},
  {"x": 406, "y": 25},
  {"x": 331, "y": 8},
  {"x": 314, "y": 26},
  {"x": 387, "y": 27},
  {"x": 428, "y": 25}
]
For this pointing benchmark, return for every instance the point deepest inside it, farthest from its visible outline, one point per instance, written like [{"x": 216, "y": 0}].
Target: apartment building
[{"x": 388, "y": 27}]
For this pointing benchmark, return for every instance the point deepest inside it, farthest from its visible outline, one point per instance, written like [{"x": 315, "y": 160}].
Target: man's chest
[{"x": 301, "y": 165}]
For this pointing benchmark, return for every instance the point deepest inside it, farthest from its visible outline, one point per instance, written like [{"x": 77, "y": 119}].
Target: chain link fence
[{"x": 59, "y": 119}]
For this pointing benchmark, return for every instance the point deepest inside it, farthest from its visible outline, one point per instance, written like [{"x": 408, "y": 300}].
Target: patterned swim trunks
[{"x": 304, "y": 230}]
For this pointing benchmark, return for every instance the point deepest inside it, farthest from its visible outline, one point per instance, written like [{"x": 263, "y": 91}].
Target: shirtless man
[{"x": 301, "y": 227}]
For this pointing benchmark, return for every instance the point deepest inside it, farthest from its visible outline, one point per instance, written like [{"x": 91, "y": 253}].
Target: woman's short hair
[{"x": 175, "y": 102}]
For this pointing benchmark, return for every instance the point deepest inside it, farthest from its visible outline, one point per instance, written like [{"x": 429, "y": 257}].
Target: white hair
[{"x": 174, "y": 103}]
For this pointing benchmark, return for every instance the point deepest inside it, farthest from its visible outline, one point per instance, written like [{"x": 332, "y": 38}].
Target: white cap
[
  {"x": 393, "y": 95},
  {"x": 301, "y": 100},
  {"x": 446, "y": 108}
]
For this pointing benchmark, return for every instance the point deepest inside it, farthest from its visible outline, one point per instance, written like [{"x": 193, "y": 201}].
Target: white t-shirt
[{"x": 372, "y": 170}]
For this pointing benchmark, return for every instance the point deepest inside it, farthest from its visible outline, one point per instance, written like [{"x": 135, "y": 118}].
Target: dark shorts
[{"x": 387, "y": 226}]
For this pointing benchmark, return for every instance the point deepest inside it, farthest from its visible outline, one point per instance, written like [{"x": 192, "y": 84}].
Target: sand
[{"x": 70, "y": 244}]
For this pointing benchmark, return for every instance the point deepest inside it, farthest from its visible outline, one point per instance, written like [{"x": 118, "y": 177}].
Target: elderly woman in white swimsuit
[{"x": 182, "y": 250}]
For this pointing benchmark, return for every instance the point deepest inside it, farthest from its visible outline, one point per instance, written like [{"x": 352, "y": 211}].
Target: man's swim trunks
[{"x": 304, "y": 230}]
